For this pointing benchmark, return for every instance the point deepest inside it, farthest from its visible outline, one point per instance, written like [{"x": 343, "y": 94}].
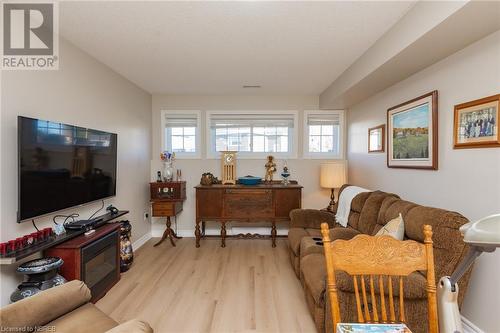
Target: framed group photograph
[
  {"x": 412, "y": 133},
  {"x": 476, "y": 123},
  {"x": 376, "y": 139}
]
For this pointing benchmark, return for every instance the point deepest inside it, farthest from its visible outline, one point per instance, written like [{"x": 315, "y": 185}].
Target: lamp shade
[{"x": 333, "y": 175}]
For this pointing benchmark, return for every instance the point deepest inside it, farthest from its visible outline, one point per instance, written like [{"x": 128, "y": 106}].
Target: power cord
[
  {"x": 71, "y": 216},
  {"x": 33, "y": 221},
  {"x": 97, "y": 211},
  {"x": 66, "y": 218}
]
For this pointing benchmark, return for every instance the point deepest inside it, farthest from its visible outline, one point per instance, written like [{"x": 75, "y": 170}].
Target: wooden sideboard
[{"x": 244, "y": 203}]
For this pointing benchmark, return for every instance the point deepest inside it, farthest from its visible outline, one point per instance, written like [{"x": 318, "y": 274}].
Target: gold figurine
[{"x": 270, "y": 168}]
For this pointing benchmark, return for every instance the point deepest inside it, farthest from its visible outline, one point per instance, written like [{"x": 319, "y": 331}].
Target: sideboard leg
[
  {"x": 273, "y": 233},
  {"x": 197, "y": 233},
  {"x": 223, "y": 234}
]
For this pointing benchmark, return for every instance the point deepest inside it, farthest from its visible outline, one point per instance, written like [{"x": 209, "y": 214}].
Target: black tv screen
[{"x": 61, "y": 166}]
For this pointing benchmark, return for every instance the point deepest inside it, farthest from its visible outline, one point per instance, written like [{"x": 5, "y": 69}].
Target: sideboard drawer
[{"x": 248, "y": 202}]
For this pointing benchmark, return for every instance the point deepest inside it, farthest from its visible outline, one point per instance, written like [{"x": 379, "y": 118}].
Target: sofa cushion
[
  {"x": 296, "y": 234},
  {"x": 369, "y": 214},
  {"x": 353, "y": 220},
  {"x": 358, "y": 202},
  {"x": 391, "y": 209},
  {"x": 448, "y": 245},
  {"x": 414, "y": 285},
  {"x": 45, "y": 306},
  {"x": 308, "y": 246},
  {"x": 343, "y": 233},
  {"x": 313, "y": 276},
  {"x": 85, "y": 319},
  {"x": 311, "y": 218}
]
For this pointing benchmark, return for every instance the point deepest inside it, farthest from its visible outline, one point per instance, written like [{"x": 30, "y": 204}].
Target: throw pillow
[{"x": 394, "y": 228}]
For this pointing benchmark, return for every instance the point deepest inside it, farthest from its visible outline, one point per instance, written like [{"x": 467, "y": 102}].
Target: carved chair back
[{"x": 371, "y": 260}]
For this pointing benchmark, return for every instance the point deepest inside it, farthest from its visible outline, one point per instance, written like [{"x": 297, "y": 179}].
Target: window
[
  {"x": 323, "y": 130},
  {"x": 181, "y": 133},
  {"x": 252, "y": 133}
]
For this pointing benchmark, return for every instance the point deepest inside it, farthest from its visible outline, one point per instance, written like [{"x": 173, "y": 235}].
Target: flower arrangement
[{"x": 167, "y": 156}]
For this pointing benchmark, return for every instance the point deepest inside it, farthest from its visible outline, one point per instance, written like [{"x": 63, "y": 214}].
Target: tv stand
[
  {"x": 93, "y": 259},
  {"x": 11, "y": 258}
]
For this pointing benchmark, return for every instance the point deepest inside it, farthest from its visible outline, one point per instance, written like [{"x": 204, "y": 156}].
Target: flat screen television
[{"x": 62, "y": 166}]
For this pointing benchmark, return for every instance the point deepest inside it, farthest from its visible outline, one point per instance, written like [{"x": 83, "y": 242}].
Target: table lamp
[{"x": 333, "y": 175}]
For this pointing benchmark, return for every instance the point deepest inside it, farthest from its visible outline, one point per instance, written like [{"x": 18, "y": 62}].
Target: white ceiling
[{"x": 216, "y": 47}]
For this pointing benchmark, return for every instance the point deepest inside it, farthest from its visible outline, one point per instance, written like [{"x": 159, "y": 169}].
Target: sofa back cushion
[
  {"x": 368, "y": 216},
  {"x": 390, "y": 209},
  {"x": 449, "y": 247},
  {"x": 357, "y": 205}
]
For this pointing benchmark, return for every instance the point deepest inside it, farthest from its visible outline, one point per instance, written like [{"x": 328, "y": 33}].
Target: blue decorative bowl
[{"x": 249, "y": 180}]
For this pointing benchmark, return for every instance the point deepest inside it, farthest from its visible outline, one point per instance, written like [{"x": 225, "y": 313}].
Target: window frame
[
  {"x": 293, "y": 134},
  {"x": 305, "y": 138},
  {"x": 183, "y": 155}
]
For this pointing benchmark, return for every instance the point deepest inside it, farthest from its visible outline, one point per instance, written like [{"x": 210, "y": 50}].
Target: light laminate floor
[{"x": 246, "y": 287}]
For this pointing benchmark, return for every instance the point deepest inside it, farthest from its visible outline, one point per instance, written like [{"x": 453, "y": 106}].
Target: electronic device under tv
[{"x": 62, "y": 166}]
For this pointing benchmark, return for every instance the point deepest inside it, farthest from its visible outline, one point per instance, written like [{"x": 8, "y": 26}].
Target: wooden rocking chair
[{"x": 379, "y": 258}]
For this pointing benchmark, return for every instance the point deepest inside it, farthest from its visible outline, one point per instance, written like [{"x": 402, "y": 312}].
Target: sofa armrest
[
  {"x": 132, "y": 326},
  {"x": 45, "y": 306},
  {"x": 310, "y": 218}
]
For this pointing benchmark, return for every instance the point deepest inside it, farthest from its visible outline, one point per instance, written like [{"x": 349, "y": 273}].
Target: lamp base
[{"x": 332, "y": 201}]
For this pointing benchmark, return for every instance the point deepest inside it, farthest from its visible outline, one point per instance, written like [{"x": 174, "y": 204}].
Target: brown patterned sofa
[
  {"x": 65, "y": 308},
  {"x": 369, "y": 212}
]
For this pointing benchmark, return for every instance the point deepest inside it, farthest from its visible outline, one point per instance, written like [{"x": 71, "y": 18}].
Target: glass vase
[{"x": 168, "y": 171}]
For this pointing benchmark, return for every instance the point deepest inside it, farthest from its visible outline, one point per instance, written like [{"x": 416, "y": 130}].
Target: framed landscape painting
[
  {"x": 476, "y": 123},
  {"x": 412, "y": 133}
]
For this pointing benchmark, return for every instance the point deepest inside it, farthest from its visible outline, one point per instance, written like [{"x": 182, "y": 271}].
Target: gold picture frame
[{"x": 475, "y": 123}]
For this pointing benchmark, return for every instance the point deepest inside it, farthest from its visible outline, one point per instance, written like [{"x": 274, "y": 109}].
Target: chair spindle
[
  {"x": 383, "y": 310},
  {"x": 374, "y": 300},
  {"x": 358, "y": 302},
  {"x": 401, "y": 301},
  {"x": 391, "y": 301},
  {"x": 365, "y": 302}
]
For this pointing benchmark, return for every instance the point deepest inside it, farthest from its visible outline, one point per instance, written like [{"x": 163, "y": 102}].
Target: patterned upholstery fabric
[{"x": 369, "y": 212}]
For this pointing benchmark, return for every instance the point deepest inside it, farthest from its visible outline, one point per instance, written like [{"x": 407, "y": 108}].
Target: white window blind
[
  {"x": 323, "y": 134},
  {"x": 180, "y": 120},
  {"x": 182, "y": 133},
  {"x": 252, "y": 134}
]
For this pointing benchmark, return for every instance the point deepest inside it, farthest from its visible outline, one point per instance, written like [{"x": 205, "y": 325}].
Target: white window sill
[
  {"x": 258, "y": 156},
  {"x": 321, "y": 156}
]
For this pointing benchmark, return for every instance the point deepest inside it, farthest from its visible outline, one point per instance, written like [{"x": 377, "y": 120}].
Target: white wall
[
  {"x": 305, "y": 171},
  {"x": 83, "y": 92},
  {"x": 468, "y": 181}
]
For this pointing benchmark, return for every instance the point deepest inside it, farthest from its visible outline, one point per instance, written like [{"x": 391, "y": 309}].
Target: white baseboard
[
  {"x": 141, "y": 241},
  {"x": 469, "y": 327}
]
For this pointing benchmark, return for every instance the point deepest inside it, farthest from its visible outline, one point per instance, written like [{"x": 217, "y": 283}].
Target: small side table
[{"x": 167, "y": 199}]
